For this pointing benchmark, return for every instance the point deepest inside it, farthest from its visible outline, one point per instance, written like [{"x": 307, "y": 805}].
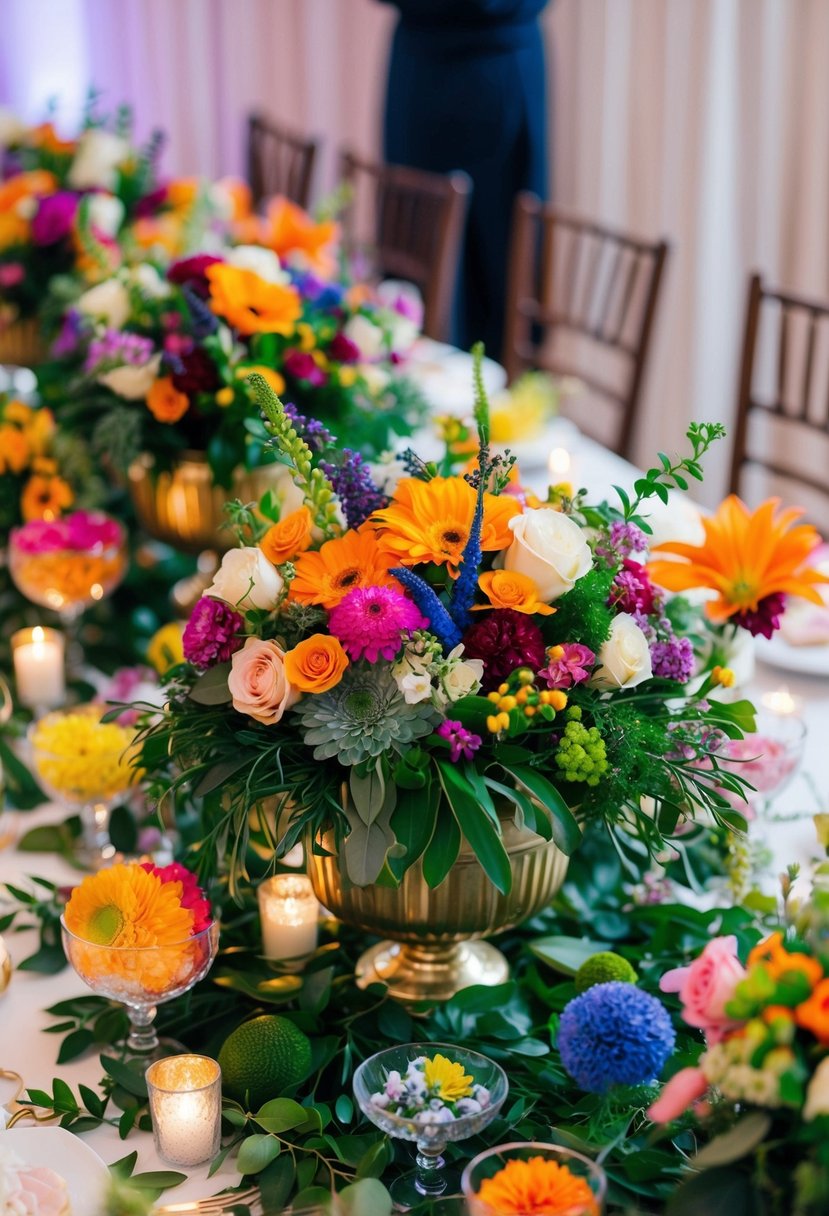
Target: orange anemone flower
[
  {"x": 429, "y": 521},
  {"x": 293, "y": 234},
  {"x": 537, "y": 1187},
  {"x": 773, "y": 956},
  {"x": 356, "y": 559},
  {"x": 251, "y": 304},
  {"x": 747, "y": 556}
]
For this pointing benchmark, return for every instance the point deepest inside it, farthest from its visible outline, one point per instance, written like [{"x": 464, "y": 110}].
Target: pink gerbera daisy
[{"x": 371, "y": 622}]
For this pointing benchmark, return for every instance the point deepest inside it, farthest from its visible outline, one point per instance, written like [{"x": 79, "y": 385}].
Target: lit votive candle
[
  {"x": 186, "y": 1108},
  {"x": 558, "y": 462},
  {"x": 39, "y": 667},
  {"x": 780, "y": 701},
  {"x": 289, "y": 913}
]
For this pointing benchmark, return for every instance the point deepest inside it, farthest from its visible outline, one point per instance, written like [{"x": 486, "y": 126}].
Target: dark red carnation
[
  {"x": 302, "y": 366},
  {"x": 505, "y": 640},
  {"x": 150, "y": 204},
  {"x": 197, "y": 373},
  {"x": 190, "y": 272},
  {"x": 343, "y": 349}
]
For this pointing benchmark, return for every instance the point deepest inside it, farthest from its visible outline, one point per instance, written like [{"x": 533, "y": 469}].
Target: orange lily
[{"x": 290, "y": 231}]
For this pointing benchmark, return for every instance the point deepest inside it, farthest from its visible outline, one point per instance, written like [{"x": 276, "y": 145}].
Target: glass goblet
[
  {"x": 545, "y": 1160},
  {"x": 142, "y": 978},
  {"x": 430, "y": 1179},
  {"x": 84, "y": 764}
]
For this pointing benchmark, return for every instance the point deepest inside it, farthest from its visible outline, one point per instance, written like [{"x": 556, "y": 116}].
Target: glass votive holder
[
  {"x": 512, "y": 1179},
  {"x": 186, "y": 1108},
  {"x": 39, "y": 667},
  {"x": 289, "y": 912}
]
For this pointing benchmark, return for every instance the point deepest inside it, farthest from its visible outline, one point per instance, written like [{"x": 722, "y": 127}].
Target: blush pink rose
[
  {"x": 257, "y": 681},
  {"x": 706, "y": 986},
  {"x": 677, "y": 1095}
]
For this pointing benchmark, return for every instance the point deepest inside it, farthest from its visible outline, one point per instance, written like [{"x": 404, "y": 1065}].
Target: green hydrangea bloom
[{"x": 602, "y": 968}]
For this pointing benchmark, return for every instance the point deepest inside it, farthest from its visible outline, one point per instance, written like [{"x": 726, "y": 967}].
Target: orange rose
[
  {"x": 316, "y": 664},
  {"x": 249, "y": 303},
  {"x": 292, "y": 535},
  {"x": 165, "y": 402},
  {"x": 509, "y": 589},
  {"x": 813, "y": 1014}
]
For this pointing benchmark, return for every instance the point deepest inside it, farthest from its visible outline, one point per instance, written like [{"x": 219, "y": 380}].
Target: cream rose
[
  {"x": 97, "y": 159},
  {"x": 246, "y": 579},
  {"x": 257, "y": 680},
  {"x": 368, "y": 337},
  {"x": 131, "y": 382},
  {"x": 108, "y": 302},
  {"x": 817, "y": 1095},
  {"x": 106, "y": 213},
  {"x": 149, "y": 282},
  {"x": 625, "y": 658},
  {"x": 263, "y": 262},
  {"x": 550, "y": 549}
]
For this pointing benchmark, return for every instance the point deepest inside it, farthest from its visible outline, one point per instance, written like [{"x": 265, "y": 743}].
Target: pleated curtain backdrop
[{"x": 706, "y": 121}]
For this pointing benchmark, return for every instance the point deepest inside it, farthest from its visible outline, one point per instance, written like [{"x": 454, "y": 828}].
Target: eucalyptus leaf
[
  {"x": 255, "y": 1152},
  {"x": 211, "y": 687},
  {"x": 736, "y": 1143},
  {"x": 566, "y": 954},
  {"x": 280, "y": 1115}
]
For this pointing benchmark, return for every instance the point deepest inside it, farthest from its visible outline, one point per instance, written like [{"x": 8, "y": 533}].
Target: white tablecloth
[{"x": 23, "y": 1046}]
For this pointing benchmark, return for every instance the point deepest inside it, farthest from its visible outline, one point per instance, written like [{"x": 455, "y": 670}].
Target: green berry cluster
[{"x": 581, "y": 754}]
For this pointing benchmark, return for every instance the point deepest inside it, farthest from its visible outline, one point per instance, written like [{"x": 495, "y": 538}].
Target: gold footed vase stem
[{"x": 433, "y": 973}]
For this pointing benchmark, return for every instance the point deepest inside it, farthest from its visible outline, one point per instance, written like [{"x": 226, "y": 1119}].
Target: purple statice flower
[
  {"x": 622, "y": 540},
  {"x": 355, "y": 488},
  {"x": 372, "y": 622},
  {"x": 673, "y": 659},
  {"x": 116, "y": 349},
  {"x": 213, "y": 633},
  {"x": 462, "y": 742},
  {"x": 765, "y": 618},
  {"x": 69, "y": 334},
  {"x": 55, "y": 215},
  {"x": 318, "y": 291},
  {"x": 317, "y": 436},
  {"x": 569, "y": 664}
]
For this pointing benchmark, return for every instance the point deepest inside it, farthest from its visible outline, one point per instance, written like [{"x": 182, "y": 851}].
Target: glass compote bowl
[
  {"x": 84, "y": 764},
  {"x": 430, "y": 1179},
  {"x": 486, "y": 1165},
  {"x": 142, "y": 978},
  {"x": 769, "y": 757}
]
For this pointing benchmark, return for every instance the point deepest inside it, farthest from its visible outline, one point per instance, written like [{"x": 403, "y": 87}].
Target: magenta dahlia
[
  {"x": 213, "y": 633},
  {"x": 372, "y": 622},
  {"x": 504, "y": 639}
]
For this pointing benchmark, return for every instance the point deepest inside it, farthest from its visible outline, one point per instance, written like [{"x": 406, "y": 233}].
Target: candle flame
[{"x": 38, "y": 636}]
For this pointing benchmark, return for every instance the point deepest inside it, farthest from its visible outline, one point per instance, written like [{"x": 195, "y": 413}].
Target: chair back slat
[
  {"x": 279, "y": 161},
  {"x": 582, "y": 302},
  {"x": 781, "y": 434},
  {"x": 409, "y": 224}
]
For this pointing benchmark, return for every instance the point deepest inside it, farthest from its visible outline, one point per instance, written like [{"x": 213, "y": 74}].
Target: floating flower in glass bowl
[
  {"x": 68, "y": 564},
  {"x": 85, "y": 764},
  {"x": 429, "y": 1093},
  {"x": 528, "y": 1179},
  {"x": 140, "y": 934}
]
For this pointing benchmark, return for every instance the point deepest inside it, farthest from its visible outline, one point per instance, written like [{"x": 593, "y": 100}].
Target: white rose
[
  {"x": 367, "y": 337},
  {"x": 149, "y": 282},
  {"x": 132, "y": 383},
  {"x": 98, "y": 156},
  {"x": 625, "y": 658},
  {"x": 550, "y": 549},
  {"x": 12, "y": 130},
  {"x": 263, "y": 262},
  {"x": 817, "y": 1095},
  {"x": 108, "y": 302},
  {"x": 106, "y": 213},
  {"x": 246, "y": 579}
]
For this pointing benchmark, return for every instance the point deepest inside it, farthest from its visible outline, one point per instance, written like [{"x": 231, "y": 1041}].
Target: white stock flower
[
  {"x": 817, "y": 1095},
  {"x": 105, "y": 213},
  {"x": 367, "y": 337},
  {"x": 550, "y": 549},
  {"x": 625, "y": 658},
  {"x": 261, "y": 261},
  {"x": 97, "y": 159},
  {"x": 415, "y": 686},
  {"x": 132, "y": 383},
  {"x": 460, "y": 677},
  {"x": 246, "y": 579},
  {"x": 108, "y": 302}
]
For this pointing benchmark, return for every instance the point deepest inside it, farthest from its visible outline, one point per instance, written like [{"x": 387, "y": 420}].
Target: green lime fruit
[
  {"x": 262, "y": 1058},
  {"x": 602, "y": 968}
]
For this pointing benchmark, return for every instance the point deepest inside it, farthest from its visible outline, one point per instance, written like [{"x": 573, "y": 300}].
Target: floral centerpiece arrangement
[
  {"x": 396, "y": 664},
  {"x": 433, "y": 1089}
]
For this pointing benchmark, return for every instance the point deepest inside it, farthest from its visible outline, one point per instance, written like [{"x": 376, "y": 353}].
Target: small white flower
[
  {"x": 149, "y": 282},
  {"x": 108, "y": 302},
  {"x": 461, "y": 677},
  {"x": 381, "y": 1100},
  {"x": 416, "y": 687},
  {"x": 481, "y": 1094},
  {"x": 366, "y": 336},
  {"x": 132, "y": 383},
  {"x": 97, "y": 158},
  {"x": 106, "y": 213},
  {"x": 469, "y": 1106}
]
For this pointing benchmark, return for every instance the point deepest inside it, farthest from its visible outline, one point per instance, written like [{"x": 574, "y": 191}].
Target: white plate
[
  {"x": 800, "y": 660},
  {"x": 85, "y": 1174}
]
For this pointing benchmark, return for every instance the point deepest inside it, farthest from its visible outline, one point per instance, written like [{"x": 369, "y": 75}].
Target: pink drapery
[{"x": 706, "y": 121}]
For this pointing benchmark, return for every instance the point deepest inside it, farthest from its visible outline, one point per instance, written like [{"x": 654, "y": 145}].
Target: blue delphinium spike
[
  {"x": 204, "y": 321},
  {"x": 440, "y": 622}
]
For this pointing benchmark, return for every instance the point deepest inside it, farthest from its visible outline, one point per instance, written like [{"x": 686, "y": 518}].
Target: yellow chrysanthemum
[
  {"x": 538, "y": 1187},
  {"x": 446, "y": 1078},
  {"x": 125, "y": 906},
  {"x": 430, "y": 521}
]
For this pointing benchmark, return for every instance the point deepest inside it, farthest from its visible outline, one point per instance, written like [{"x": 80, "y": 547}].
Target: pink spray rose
[
  {"x": 677, "y": 1095},
  {"x": 258, "y": 683},
  {"x": 706, "y": 986}
]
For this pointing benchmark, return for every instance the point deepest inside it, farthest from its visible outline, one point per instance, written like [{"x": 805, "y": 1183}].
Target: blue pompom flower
[{"x": 614, "y": 1034}]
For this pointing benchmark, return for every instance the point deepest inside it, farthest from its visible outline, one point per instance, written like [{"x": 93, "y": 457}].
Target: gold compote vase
[
  {"x": 21, "y": 344},
  {"x": 435, "y": 943}
]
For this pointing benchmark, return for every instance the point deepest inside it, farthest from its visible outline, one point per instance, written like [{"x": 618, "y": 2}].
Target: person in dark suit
[{"x": 466, "y": 90}]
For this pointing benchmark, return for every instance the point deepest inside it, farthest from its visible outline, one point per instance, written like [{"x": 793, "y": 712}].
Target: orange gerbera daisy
[
  {"x": 538, "y": 1186},
  {"x": 125, "y": 906},
  {"x": 45, "y": 497},
  {"x": 356, "y": 559},
  {"x": 290, "y": 231},
  {"x": 747, "y": 558},
  {"x": 251, "y": 304},
  {"x": 429, "y": 521}
]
